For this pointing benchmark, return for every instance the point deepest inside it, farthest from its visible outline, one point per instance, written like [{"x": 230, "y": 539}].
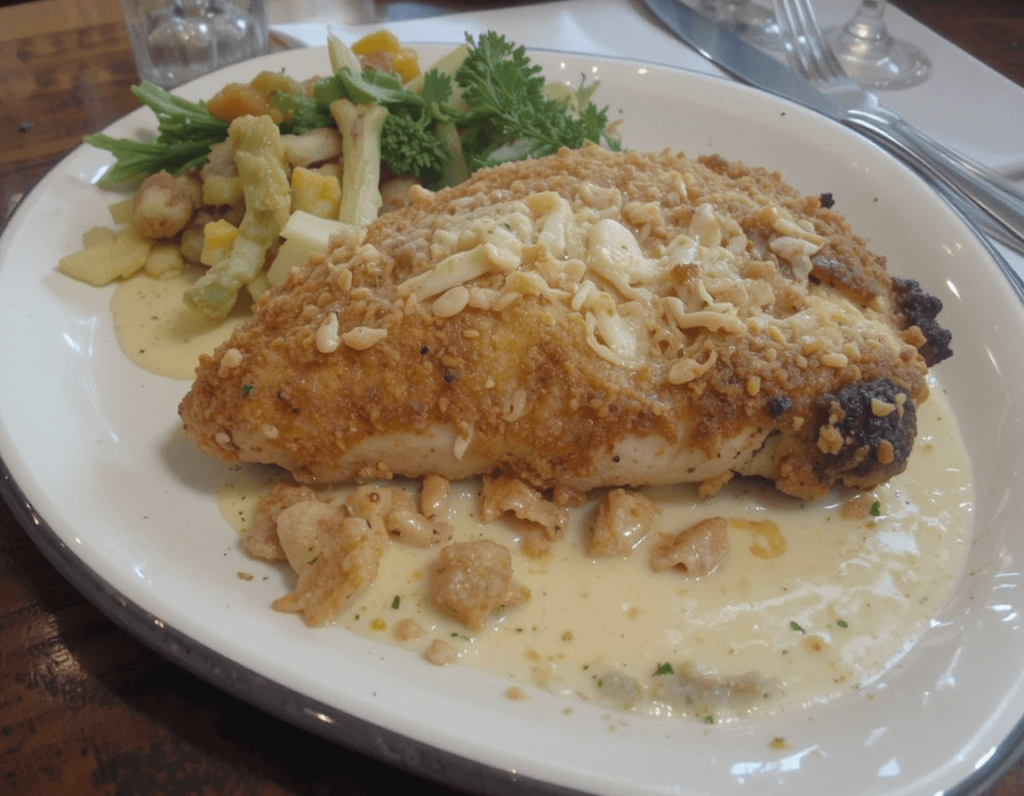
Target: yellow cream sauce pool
[
  {"x": 158, "y": 332},
  {"x": 811, "y": 603}
]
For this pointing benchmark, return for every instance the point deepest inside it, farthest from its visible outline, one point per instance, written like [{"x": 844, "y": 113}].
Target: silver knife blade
[{"x": 740, "y": 58}]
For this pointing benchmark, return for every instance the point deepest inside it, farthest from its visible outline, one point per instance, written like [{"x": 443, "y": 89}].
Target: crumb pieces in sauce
[
  {"x": 516, "y": 694},
  {"x": 393, "y": 511},
  {"x": 858, "y": 508},
  {"x": 261, "y": 540},
  {"x": 441, "y": 653},
  {"x": 335, "y": 557},
  {"x": 441, "y": 637},
  {"x": 473, "y": 579},
  {"x": 547, "y": 519},
  {"x": 409, "y": 629},
  {"x": 698, "y": 550},
  {"x": 335, "y": 549},
  {"x": 692, "y": 690},
  {"x": 623, "y": 520}
]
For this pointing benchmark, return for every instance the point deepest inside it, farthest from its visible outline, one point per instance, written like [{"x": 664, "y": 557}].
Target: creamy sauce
[
  {"x": 813, "y": 603},
  {"x": 159, "y": 332}
]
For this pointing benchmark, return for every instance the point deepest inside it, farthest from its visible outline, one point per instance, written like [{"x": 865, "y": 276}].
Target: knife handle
[{"x": 999, "y": 206}]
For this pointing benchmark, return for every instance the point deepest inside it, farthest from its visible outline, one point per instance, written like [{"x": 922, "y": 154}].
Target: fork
[{"x": 969, "y": 185}]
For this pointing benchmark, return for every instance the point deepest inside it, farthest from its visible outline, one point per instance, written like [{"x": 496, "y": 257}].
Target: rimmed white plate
[{"x": 112, "y": 492}]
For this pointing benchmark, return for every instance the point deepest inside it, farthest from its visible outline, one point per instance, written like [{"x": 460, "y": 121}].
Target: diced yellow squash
[
  {"x": 116, "y": 258},
  {"x": 219, "y": 189},
  {"x": 121, "y": 212},
  {"x": 164, "y": 261},
  {"x": 96, "y": 235},
  {"x": 218, "y": 238},
  {"x": 315, "y": 193}
]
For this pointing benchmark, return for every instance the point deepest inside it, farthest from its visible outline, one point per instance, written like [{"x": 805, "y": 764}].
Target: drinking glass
[
  {"x": 745, "y": 18},
  {"x": 872, "y": 57},
  {"x": 175, "y": 41}
]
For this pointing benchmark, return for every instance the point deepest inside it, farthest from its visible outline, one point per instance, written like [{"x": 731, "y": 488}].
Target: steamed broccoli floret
[
  {"x": 409, "y": 146},
  {"x": 301, "y": 113}
]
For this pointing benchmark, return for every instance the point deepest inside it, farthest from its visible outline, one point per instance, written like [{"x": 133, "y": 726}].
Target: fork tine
[
  {"x": 830, "y": 65},
  {"x": 789, "y": 35},
  {"x": 808, "y": 53}
]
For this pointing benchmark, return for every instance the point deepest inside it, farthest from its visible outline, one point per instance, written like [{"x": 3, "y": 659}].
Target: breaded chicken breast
[{"x": 584, "y": 320}]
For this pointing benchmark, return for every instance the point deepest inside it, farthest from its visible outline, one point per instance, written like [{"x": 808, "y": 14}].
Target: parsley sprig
[
  {"x": 511, "y": 115},
  {"x": 185, "y": 131}
]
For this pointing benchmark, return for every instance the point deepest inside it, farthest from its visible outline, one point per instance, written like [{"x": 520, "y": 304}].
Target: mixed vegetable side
[{"x": 253, "y": 180}]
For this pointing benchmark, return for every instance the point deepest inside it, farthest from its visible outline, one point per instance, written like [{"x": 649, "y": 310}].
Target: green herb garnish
[
  {"x": 395, "y": 603},
  {"x": 664, "y": 668},
  {"x": 185, "y": 131},
  {"x": 842, "y": 623},
  {"x": 876, "y": 509},
  {"x": 511, "y": 115},
  {"x": 796, "y": 627}
]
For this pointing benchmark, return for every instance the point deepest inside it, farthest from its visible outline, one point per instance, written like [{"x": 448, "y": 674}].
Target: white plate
[{"x": 111, "y": 490}]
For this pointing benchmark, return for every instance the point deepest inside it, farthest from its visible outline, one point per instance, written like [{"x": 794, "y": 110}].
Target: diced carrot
[
  {"x": 237, "y": 99},
  {"x": 380, "y": 40},
  {"x": 406, "y": 64},
  {"x": 268, "y": 83},
  {"x": 404, "y": 60}
]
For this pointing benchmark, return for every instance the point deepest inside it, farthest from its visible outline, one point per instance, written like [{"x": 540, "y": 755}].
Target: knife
[{"x": 978, "y": 193}]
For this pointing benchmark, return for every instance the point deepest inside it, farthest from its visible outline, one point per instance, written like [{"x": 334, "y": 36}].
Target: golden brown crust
[{"x": 518, "y": 382}]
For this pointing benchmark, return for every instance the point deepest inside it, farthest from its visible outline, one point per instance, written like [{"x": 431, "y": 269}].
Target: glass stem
[{"x": 867, "y": 24}]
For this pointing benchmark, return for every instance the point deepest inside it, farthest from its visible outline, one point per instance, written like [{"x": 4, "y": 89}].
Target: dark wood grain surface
[{"x": 84, "y": 707}]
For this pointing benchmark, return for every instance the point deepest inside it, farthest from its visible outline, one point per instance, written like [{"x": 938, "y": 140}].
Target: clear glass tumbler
[{"x": 175, "y": 41}]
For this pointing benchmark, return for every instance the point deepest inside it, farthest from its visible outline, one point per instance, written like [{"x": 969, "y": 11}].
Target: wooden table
[{"x": 84, "y": 707}]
